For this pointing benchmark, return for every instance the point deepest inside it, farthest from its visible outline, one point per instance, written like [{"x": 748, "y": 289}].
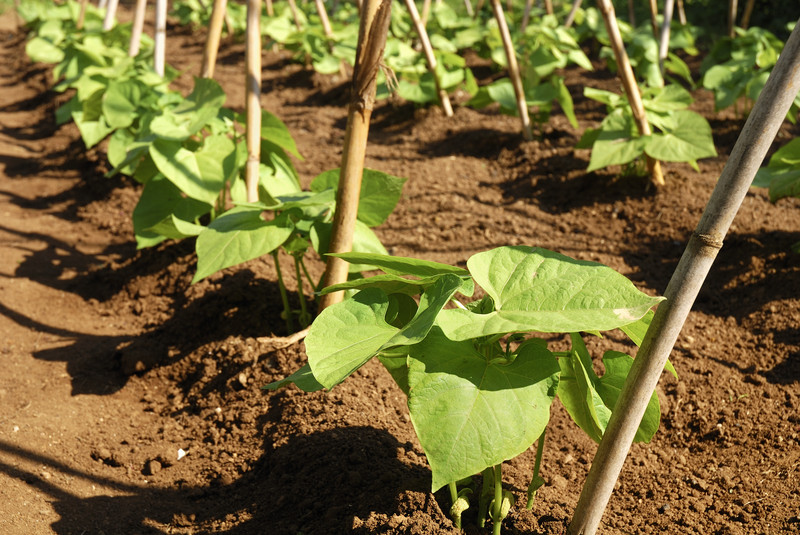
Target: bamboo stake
[
  {"x": 444, "y": 99},
  {"x": 372, "y": 31},
  {"x": 478, "y": 8},
  {"x": 513, "y": 69},
  {"x": 663, "y": 44},
  {"x": 426, "y": 11},
  {"x": 270, "y": 8},
  {"x": 295, "y": 14},
  {"x": 212, "y": 42},
  {"x": 631, "y": 14},
  {"x": 82, "y": 14},
  {"x": 733, "y": 7},
  {"x": 572, "y": 12},
  {"x": 253, "y": 98},
  {"x": 629, "y": 83},
  {"x": 102, "y": 4},
  {"x": 734, "y": 183},
  {"x": 111, "y": 12},
  {"x": 136, "y": 28},
  {"x": 548, "y": 7},
  {"x": 160, "y": 38},
  {"x": 748, "y": 12},
  {"x": 681, "y": 13},
  {"x": 468, "y": 6},
  {"x": 526, "y": 14},
  {"x": 323, "y": 17},
  {"x": 654, "y": 17}
]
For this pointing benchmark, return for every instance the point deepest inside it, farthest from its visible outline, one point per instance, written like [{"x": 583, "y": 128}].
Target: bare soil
[{"x": 111, "y": 362}]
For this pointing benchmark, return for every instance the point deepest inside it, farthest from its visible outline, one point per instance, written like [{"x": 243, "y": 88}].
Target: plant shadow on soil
[{"x": 305, "y": 470}]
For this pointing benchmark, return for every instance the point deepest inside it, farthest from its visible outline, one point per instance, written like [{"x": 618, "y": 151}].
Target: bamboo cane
[
  {"x": 444, "y": 99},
  {"x": 212, "y": 42},
  {"x": 526, "y": 15},
  {"x": 295, "y": 14},
  {"x": 663, "y": 44},
  {"x": 160, "y": 37},
  {"x": 270, "y": 8},
  {"x": 629, "y": 83},
  {"x": 136, "y": 28},
  {"x": 253, "y": 98},
  {"x": 631, "y": 14},
  {"x": 548, "y": 7},
  {"x": 82, "y": 14},
  {"x": 372, "y": 31},
  {"x": 102, "y": 4},
  {"x": 572, "y": 12},
  {"x": 748, "y": 12},
  {"x": 426, "y": 11},
  {"x": 733, "y": 7},
  {"x": 478, "y": 8},
  {"x": 654, "y": 17},
  {"x": 111, "y": 13},
  {"x": 734, "y": 183},
  {"x": 681, "y": 13},
  {"x": 323, "y": 17},
  {"x": 468, "y": 6},
  {"x": 513, "y": 69}
]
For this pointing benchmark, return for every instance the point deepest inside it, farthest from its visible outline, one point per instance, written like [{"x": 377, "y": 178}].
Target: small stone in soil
[{"x": 152, "y": 467}]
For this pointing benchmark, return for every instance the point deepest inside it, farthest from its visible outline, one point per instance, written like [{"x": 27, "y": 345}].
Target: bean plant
[{"x": 479, "y": 376}]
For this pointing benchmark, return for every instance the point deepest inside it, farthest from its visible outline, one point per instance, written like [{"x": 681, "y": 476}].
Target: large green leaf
[
  {"x": 120, "y": 102},
  {"x": 92, "y": 132},
  {"x": 617, "y": 142},
  {"x": 470, "y": 413},
  {"x": 539, "y": 290},
  {"x": 590, "y": 399},
  {"x": 238, "y": 236},
  {"x": 690, "y": 139},
  {"x": 380, "y": 193},
  {"x": 302, "y": 378},
  {"x": 275, "y": 131}
]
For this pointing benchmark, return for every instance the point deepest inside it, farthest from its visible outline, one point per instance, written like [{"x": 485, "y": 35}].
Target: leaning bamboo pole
[
  {"x": 748, "y": 12},
  {"x": 733, "y": 7},
  {"x": 82, "y": 14},
  {"x": 212, "y": 42},
  {"x": 160, "y": 38},
  {"x": 755, "y": 139},
  {"x": 137, "y": 27},
  {"x": 572, "y": 12},
  {"x": 253, "y": 98},
  {"x": 681, "y": 13},
  {"x": 372, "y": 32},
  {"x": 426, "y": 11},
  {"x": 295, "y": 14},
  {"x": 631, "y": 14},
  {"x": 526, "y": 15},
  {"x": 548, "y": 7},
  {"x": 629, "y": 83},
  {"x": 654, "y": 17},
  {"x": 444, "y": 99},
  {"x": 513, "y": 69},
  {"x": 111, "y": 13}
]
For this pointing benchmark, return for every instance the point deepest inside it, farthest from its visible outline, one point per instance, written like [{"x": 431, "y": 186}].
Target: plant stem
[
  {"x": 287, "y": 311},
  {"x": 305, "y": 319},
  {"x": 536, "y": 480},
  {"x": 308, "y": 275},
  {"x": 497, "y": 520},
  {"x": 486, "y": 494},
  {"x": 453, "y": 499}
]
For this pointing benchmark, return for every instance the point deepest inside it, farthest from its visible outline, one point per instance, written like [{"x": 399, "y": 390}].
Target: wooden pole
[
  {"x": 548, "y": 7},
  {"x": 426, "y": 11},
  {"x": 681, "y": 13},
  {"x": 101, "y": 4},
  {"x": 136, "y": 28},
  {"x": 631, "y": 14},
  {"x": 111, "y": 12},
  {"x": 323, "y": 17},
  {"x": 468, "y": 6},
  {"x": 444, "y": 99},
  {"x": 734, "y": 183},
  {"x": 253, "y": 98},
  {"x": 526, "y": 14},
  {"x": 654, "y": 17},
  {"x": 663, "y": 44},
  {"x": 478, "y": 8},
  {"x": 372, "y": 32},
  {"x": 270, "y": 8},
  {"x": 513, "y": 69},
  {"x": 160, "y": 38},
  {"x": 82, "y": 15},
  {"x": 212, "y": 42},
  {"x": 629, "y": 83},
  {"x": 748, "y": 12},
  {"x": 295, "y": 14},
  {"x": 572, "y": 12},
  {"x": 733, "y": 7}
]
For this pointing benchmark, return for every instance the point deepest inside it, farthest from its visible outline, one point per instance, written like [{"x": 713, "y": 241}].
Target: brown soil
[{"x": 112, "y": 362}]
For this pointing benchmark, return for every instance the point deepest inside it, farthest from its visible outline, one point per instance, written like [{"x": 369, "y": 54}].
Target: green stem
[
  {"x": 486, "y": 496},
  {"x": 305, "y": 318},
  {"x": 287, "y": 311},
  {"x": 536, "y": 481},
  {"x": 497, "y": 508},
  {"x": 307, "y": 274},
  {"x": 453, "y": 499}
]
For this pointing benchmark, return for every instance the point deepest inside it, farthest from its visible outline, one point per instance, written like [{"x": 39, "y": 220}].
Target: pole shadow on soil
[{"x": 324, "y": 482}]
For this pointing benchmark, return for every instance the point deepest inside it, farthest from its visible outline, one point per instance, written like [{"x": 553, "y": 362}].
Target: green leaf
[
  {"x": 617, "y": 142},
  {"x": 42, "y": 50},
  {"x": 275, "y": 131},
  {"x": 120, "y": 102},
  {"x": 539, "y": 290},
  {"x": 380, "y": 193},
  {"x": 238, "y": 236},
  {"x": 470, "y": 413},
  {"x": 689, "y": 139},
  {"x": 399, "y": 265},
  {"x": 92, "y": 132},
  {"x": 175, "y": 228},
  {"x": 302, "y": 379}
]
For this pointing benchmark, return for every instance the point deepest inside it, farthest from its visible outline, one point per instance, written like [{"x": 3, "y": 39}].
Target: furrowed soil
[{"x": 111, "y": 362}]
